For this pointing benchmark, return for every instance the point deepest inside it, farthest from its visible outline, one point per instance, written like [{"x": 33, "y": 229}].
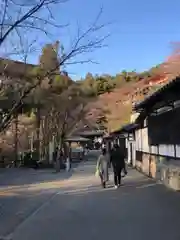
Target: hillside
[
  {"x": 118, "y": 103},
  {"x": 133, "y": 87},
  {"x": 111, "y": 98}
]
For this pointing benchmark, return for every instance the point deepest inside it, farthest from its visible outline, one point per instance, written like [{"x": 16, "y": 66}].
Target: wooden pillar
[
  {"x": 15, "y": 139},
  {"x": 70, "y": 152},
  {"x": 38, "y": 122}
]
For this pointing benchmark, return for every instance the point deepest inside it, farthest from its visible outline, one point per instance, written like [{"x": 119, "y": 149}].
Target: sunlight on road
[
  {"x": 16, "y": 190},
  {"x": 8, "y": 194},
  {"x": 56, "y": 185}
]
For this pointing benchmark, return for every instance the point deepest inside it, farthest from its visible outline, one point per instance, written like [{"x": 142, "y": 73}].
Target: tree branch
[{"x": 83, "y": 44}]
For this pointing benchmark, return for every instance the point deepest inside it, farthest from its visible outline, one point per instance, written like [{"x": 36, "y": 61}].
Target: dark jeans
[
  {"x": 125, "y": 170},
  {"x": 117, "y": 176}
]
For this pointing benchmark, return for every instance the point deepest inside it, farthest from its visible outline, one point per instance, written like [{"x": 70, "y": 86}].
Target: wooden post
[
  {"x": 70, "y": 152},
  {"x": 15, "y": 139},
  {"x": 38, "y": 121}
]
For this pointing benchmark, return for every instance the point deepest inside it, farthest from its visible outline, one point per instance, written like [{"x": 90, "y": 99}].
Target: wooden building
[
  {"x": 157, "y": 137},
  {"x": 124, "y": 137},
  {"x": 95, "y": 137},
  {"x": 130, "y": 147},
  {"x": 76, "y": 154}
]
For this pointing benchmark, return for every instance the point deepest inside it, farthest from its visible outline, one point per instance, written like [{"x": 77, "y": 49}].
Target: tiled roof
[{"x": 158, "y": 95}]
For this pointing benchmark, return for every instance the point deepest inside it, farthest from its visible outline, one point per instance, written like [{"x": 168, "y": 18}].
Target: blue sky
[{"x": 140, "y": 33}]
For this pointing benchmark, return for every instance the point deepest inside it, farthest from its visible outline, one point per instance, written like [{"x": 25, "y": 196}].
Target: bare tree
[
  {"x": 17, "y": 19},
  {"x": 61, "y": 116}
]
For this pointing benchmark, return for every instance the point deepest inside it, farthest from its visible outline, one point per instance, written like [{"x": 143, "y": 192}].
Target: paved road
[
  {"x": 23, "y": 191},
  {"x": 77, "y": 208}
]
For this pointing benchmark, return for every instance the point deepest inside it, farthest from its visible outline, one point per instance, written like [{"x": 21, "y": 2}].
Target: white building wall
[
  {"x": 145, "y": 144},
  {"x": 131, "y": 147},
  {"x": 142, "y": 145},
  {"x": 51, "y": 149},
  {"x": 134, "y": 153},
  {"x": 166, "y": 150},
  {"x": 129, "y": 153},
  {"x": 153, "y": 149},
  {"x": 178, "y": 151}
]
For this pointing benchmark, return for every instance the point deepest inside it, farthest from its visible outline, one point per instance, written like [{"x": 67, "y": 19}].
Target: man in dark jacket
[{"x": 118, "y": 163}]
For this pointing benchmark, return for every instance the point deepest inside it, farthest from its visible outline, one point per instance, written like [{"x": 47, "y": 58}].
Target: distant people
[
  {"x": 103, "y": 145},
  {"x": 97, "y": 145},
  {"x": 55, "y": 155},
  {"x": 118, "y": 163},
  {"x": 61, "y": 156},
  {"x": 35, "y": 158},
  {"x": 67, "y": 164},
  {"x": 102, "y": 167}
]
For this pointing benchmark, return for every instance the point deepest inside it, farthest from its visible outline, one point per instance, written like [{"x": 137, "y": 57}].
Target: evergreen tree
[{"x": 49, "y": 61}]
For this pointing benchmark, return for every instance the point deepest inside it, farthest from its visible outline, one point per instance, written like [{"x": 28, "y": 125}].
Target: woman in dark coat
[{"x": 118, "y": 163}]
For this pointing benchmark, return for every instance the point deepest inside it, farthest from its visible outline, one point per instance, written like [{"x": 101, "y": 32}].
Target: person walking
[
  {"x": 55, "y": 159},
  {"x": 118, "y": 163},
  {"x": 102, "y": 167}
]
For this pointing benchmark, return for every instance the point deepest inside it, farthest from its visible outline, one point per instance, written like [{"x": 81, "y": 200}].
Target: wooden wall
[{"x": 149, "y": 157}]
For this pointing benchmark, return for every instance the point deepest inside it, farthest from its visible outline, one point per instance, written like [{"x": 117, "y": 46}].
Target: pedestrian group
[{"x": 114, "y": 158}]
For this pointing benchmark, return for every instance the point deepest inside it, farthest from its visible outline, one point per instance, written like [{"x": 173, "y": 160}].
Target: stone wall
[
  {"x": 170, "y": 176},
  {"x": 161, "y": 168},
  {"x": 139, "y": 165},
  {"x": 143, "y": 165},
  {"x": 153, "y": 168}
]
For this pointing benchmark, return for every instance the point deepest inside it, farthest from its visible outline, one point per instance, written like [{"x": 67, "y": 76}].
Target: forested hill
[
  {"x": 108, "y": 98},
  {"x": 116, "y": 94}
]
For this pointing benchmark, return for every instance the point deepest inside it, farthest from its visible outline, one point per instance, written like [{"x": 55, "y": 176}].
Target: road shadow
[
  {"x": 29, "y": 191},
  {"x": 17, "y": 204},
  {"x": 137, "y": 210},
  {"x": 126, "y": 187},
  {"x": 16, "y": 207},
  {"x": 22, "y": 191},
  {"x": 25, "y": 176}
]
